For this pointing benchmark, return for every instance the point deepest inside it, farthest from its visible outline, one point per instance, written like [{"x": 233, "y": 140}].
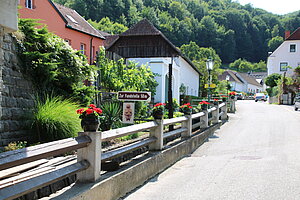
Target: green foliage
[
  {"x": 242, "y": 65},
  {"x": 199, "y": 56},
  {"x": 233, "y": 30},
  {"x": 274, "y": 43},
  {"x": 273, "y": 91},
  {"x": 111, "y": 116},
  {"x": 55, "y": 118},
  {"x": 117, "y": 76},
  {"x": 15, "y": 145},
  {"x": 52, "y": 65},
  {"x": 106, "y": 25},
  {"x": 272, "y": 80}
]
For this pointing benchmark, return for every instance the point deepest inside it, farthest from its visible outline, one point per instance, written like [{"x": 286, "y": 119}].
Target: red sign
[{"x": 134, "y": 96}]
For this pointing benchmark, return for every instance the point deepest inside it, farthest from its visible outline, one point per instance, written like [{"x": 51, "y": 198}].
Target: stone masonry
[{"x": 15, "y": 94}]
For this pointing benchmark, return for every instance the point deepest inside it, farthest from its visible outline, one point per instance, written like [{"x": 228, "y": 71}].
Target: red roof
[{"x": 295, "y": 35}]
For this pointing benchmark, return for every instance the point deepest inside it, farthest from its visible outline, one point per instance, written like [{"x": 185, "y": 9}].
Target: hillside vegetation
[{"x": 233, "y": 30}]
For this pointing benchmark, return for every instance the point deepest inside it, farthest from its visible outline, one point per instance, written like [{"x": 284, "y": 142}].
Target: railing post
[
  {"x": 91, "y": 153},
  {"x": 157, "y": 132},
  {"x": 224, "y": 110},
  {"x": 205, "y": 119},
  {"x": 215, "y": 115},
  {"x": 187, "y": 124}
]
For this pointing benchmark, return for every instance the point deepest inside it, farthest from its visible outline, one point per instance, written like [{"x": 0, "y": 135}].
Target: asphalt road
[{"x": 256, "y": 155}]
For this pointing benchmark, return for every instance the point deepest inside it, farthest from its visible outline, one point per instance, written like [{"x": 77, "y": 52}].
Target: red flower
[
  {"x": 190, "y": 107},
  {"x": 204, "y": 102},
  {"x": 216, "y": 99},
  {"x": 98, "y": 110},
  {"x": 80, "y": 111},
  {"x": 89, "y": 111},
  {"x": 92, "y": 106}
]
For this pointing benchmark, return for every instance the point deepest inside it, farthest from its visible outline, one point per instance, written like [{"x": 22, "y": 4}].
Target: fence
[{"x": 89, "y": 151}]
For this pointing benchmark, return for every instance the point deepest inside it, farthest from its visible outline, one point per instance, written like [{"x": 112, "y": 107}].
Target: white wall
[
  {"x": 189, "y": 77},
  {"x": 283, "y": 54},
  {"x": 8, "y": 15},
  {"x": 182, "y": 73},
  {"x": 237, "y": 86}
]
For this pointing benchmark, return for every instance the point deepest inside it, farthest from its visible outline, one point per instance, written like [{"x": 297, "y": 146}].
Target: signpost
[
  {"x": 134, "y": 96},
  {"x": 212, "y": 85}
]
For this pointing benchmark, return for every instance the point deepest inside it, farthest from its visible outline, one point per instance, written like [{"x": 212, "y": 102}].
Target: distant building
[
  {"x": 145, "y": 44},
  {"x": 66, "y": 23},
  {"x": 242, "y": 82},
  {"x": 286, "y": 55}
]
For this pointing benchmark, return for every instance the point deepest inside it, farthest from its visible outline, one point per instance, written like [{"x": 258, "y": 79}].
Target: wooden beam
[
  {"x": 35, "y": 183},
  {"x": 126, "y": 149},
  {"x": 120, "y": 132},
  {"x": 14, "y": 158}
]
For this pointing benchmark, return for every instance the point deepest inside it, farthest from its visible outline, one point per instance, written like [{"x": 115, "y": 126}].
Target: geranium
[
  {"x": 187, "y": 105},
  {"x": 204, "y": 102},
  {"x": 233, "y": 93},
  {"x": 216, "y": 99},
  {"x": 159, "y": 107},
  {"x": 90, "y": 111}
]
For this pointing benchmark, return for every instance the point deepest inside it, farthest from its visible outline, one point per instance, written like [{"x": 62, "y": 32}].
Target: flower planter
[
  {"x": 90, "y": 124},
  {"x": 157, "y": 115}
]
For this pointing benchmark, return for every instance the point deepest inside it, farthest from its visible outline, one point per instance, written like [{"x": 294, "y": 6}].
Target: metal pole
[{"x": 209, "y": 83}]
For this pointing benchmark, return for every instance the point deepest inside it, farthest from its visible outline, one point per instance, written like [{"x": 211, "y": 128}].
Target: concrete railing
[{"x": 89, "y": 150}]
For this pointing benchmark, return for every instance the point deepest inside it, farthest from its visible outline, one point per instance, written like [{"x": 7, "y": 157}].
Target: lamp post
[
  {"x": 227, "y": 79},
  {"x": 209, "y": 66}
]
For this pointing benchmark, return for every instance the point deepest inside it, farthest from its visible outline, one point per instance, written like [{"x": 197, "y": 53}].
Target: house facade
[
  {"x": 287, "y": 56},
  {"x": 146, "y": 45},
  {"x": 66, "y": 23},
  {"x": 242, "y": 82}
]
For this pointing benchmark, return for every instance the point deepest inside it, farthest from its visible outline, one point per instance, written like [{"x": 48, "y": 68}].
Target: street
[{"x": 256, "y": 155}]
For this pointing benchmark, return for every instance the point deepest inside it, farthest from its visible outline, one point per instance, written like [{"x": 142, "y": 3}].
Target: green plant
[
  {"x": 15, "y": 145},
  {"x": 111, "y": 116},
  {"x": 54, "y": 118}
]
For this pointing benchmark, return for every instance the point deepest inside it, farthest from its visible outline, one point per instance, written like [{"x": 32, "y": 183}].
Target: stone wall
[{"x": 15, "y": 93}]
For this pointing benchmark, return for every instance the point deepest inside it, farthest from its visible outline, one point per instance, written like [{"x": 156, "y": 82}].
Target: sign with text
[
  {"x": 134, "y": 96},
  {"x": 210, "y": 86},
  {"x": 128, "y": 113}
]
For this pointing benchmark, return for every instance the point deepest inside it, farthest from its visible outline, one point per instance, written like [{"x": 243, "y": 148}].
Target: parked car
[
  {"x": 297, "y": 103},
  {"x": 240, "y": 96},
  {"x": 260, "y": 97}
]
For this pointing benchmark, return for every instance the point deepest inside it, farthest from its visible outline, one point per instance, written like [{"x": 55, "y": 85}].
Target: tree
[
  {"x": 272, "y": 79},
  {"x": 274, "y": 43}
]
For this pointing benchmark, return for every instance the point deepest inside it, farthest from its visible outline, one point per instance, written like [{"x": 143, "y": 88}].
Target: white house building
[
  {"x": 287, "y": 54},
  {"x": 146, "y": 45},
  {"x": 242, "y": 82}
]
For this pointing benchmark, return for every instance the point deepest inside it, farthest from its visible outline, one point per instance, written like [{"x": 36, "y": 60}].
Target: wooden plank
[
  {"x": 34, "y": 173},
  {"x": 29, "y": 154},
  {"x": 11, "y": 171},
  {"x": 175, "y": 132},
  {"x": 126, "y": 149},
  {"x": 35, "y": 183},
  {"x": 197, "y": 115},
  {"x": 174, "y": 120},
  {"x": 197, "y": 125},
  {"x": 120, "y": 132},
  {"x": 221, "y": 105}
]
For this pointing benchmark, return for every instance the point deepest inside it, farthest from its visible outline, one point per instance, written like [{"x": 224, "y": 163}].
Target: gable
[{"x": 295, "y": 35}]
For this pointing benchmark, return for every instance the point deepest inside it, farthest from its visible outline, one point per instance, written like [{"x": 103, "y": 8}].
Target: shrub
[
  {"x": 55, "y": 118},
  {"x": 111, "y": 116},
  {"x": 15, "y": 145}
]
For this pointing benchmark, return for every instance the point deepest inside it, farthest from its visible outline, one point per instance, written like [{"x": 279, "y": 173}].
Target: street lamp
[
  {"x": 227, "y": 79},
  {"x": 209, "y": 66}
]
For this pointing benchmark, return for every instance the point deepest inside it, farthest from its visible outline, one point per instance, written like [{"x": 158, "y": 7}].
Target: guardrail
[{"x": 89, "y": 151}]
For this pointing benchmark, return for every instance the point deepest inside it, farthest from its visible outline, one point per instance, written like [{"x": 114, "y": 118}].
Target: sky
[{"x": 274, "y": 6}]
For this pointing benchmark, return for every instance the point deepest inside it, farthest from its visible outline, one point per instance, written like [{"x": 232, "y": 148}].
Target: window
[
  {"x": 292, "y": 48},
  {"x": 283, "y": 66},
  {"x": 72, "y": 19},
  {"x": 28, "y": 4},
  {"x": 82, "y": 48}
]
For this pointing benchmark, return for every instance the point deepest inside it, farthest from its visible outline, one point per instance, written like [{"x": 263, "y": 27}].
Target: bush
[
  {"x": 55, "y": 118},
  {"x": 15, "y": 145}
]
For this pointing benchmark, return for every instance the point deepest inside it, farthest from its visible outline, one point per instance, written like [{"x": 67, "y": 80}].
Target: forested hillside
[{"x": 233, "y": 30}]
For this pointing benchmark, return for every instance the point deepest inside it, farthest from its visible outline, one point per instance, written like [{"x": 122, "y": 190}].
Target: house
[
  {"x": 8, "y": 16},
  {"x": 145, "y": 44},
  {"x": 287, "y": 54},
  {"x": 66, "y": 23},
  {"x": 242, "y": 82}
]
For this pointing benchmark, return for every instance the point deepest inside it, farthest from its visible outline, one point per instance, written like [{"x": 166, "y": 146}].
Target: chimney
[{"x": 287, "y": 34}]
